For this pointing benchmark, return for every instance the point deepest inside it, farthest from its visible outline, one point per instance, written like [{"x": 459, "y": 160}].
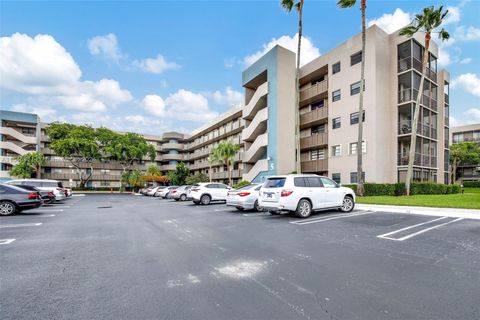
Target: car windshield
[{"x": 274, "y": 183}]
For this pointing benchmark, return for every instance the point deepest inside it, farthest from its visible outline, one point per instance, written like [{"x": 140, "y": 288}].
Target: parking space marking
[
  {"x": 256, "y": 214},
  {"x": 6, "y": 241},
  {"x": 388, "y": 235},
  {"x": 331, "y": 217},
  {"x": 220, "y": 210},
  {"x": 20, "y": 225},
  {"x": 46, "y": 210}
]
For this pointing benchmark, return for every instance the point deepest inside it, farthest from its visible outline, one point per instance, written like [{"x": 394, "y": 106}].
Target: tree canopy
[
  {"x": 180, "y": 174},
  {"x": 27, "y": 164}
]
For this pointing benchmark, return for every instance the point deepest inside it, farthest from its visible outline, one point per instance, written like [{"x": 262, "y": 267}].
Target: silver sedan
[{"x": 245, "y": 198}]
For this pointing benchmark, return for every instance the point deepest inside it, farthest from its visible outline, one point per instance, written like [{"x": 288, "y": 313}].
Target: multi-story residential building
[
  {"x": 467, "y": 171},
  {"x": 265, "y": 127}
]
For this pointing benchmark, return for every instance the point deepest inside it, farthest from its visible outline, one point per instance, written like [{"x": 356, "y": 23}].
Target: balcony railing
[
  {"x": 314, "y": 116},
  {"x": 315, "y": 140},
  {"x": 407, "y": 63},
  {"x": 426, "y": 130},
  {"x": 314, "y": 90},
  {"x": 314, "y": 165},
  {"x": 424, "y": 160}
]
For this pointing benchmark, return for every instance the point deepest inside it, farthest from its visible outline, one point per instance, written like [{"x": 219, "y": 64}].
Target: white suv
[
  {"x": 205, "y": 193},
  {"x": 304, "y": 193},
  {"x": 54, "y": 186}
]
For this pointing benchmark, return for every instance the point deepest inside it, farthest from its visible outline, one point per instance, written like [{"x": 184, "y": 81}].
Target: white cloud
[
  {"x": 229, "y": 97},
  {"x": 444, "y": 58},
  {"x": 105, "y": 46},
  {"x": 392, "y": 22},
  {"x": 467, "y": 33},
  {"x": 42, "y": 68},
  {"x": 308, "y": 50},
  {"x": 453, "y": 15},
  {"x": 473, "y": 114},
  {"x": 155, "y": 65},
  {"x": 469, "y": 116},
  {"x": 468, "y": 82},
  {"x": 466, "y": 61},
  {"x": 45, "y": 113},
  {"x": 154, "y": 105}
]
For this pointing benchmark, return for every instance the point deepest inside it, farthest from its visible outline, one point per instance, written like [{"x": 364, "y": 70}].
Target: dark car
[
  {"x": 14, "y": 199},
  {"x": 47, "y": 196}
]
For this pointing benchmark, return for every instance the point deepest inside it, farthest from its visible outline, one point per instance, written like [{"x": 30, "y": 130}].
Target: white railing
[
  {"x": 260, "y": 117},
  {"x": 254, "y": 152},
  {"x": 249, "y": 109}
]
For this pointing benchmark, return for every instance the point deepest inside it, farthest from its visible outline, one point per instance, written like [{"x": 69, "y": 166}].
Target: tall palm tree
[
  {"x": 363, "y": 7},
  {"x": 288, "y": 5},
  {"x": 427, "y": 21},
  {"x": 226, "y": 151},
  {"x": 213, "y": 158}
]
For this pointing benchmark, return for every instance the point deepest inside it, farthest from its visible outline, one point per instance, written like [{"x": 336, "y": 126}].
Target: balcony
[
  {"x": 18, "y": 135},
  {"x": 257, "y": 126},
  {"x": 407, "y": 63},
  {"x": 172, "y": 135},
  {"x": 256, "y": 102},
  {"x": 256, "y": 149},
  {"x": 314, "y": 166},
  {"x": 224, "y": 174},
  {"x": 424, "y": 160},
  {"x": 426, "y": 130},
  {"x": 314, "y": 117},
  {"x": 309, "y": 94},
  {"x": 74, "y": 176},
  {"x": 168, "y": 167},
  {"x": 314, "y": 141},
  {"x": 172, "y": 146},
  {"x": 172, "y": 156},
  {"x": 9, "y": 145}
]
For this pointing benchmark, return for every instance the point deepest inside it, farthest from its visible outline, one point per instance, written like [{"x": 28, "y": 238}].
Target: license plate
[{"x": 269, "y": 195}]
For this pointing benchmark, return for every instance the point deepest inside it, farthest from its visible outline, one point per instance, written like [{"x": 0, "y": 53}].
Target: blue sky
[{"x": 156, "y": 65}]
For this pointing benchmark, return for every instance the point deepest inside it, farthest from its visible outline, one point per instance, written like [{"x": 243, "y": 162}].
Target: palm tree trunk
[
  {"x": 229, "y": 173},
  {"x": 360, "y": 188},
  {"x": 38, "y": 173},
  {"x": 454, "y": 171},
  {"x": 210, "y": 172},
  {"x": 297, "y": 91},
  {"x": 413, "y": 139}
]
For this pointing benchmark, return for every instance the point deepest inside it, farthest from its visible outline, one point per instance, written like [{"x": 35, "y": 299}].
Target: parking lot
[{"x": 135, "y": 257}]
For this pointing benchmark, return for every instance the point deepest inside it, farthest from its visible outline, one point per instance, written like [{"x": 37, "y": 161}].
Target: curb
[{"x": 426, "y": 211}]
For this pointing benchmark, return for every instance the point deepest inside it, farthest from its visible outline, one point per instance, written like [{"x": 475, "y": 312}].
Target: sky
[{"x": 155, "y": 66}]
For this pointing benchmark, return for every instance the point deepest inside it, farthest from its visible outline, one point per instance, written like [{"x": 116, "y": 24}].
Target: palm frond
[
  {"x": 443, "y": 35},
  {"x": 287, "y": 5},
  {"x": 346, "y": 3},
  {"x": 409, "y": 31}
]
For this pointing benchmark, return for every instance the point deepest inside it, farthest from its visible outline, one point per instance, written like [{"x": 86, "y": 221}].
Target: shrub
[
  {"x": 455, "y": 188},
  {"x": 197, "y": 178},
  {"x": 398, "y": 189},
  {"x": 351, "y": 186},
  {"x": 471, "y": 184},
  {"x": 242, "y": 183}
]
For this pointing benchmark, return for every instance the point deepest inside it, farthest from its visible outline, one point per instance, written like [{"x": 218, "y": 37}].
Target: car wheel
[
  {"x": 6, "y": 208},
  {"x": 304, "y": 209},
  {"x": 256, "y": 206},
  {"x": 196, "y": 201},
  {"x": 348, "y": 204},
  {"x": 183, "y": 197},
  {"x": 239, "y": 208},
  {"x": 205, "y": 199},
  {"x": 177, "y": 199},
  {"x": 274, "y": 213}
]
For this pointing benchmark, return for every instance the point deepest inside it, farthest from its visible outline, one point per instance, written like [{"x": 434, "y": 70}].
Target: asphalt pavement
[{"x": 133, "y": 257}]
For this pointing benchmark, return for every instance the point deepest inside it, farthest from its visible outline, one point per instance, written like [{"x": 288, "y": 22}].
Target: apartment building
[
  {"x": 467, "y": 171},
  {"x": 265, "y": 128}
]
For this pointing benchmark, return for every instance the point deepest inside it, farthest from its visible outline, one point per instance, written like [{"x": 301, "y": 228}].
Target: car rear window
[
  {"x": 49, "y": 184},
  {"x": 274, "y": 183}
]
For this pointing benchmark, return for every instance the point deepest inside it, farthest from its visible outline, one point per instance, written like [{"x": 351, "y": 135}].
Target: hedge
[
  {"x": 471, "y": 184},
  {"x": 242, "y": 183},
  {"x": 398, "y": 189}
]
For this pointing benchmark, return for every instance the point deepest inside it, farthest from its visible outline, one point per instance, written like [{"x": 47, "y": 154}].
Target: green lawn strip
[{"x": 469, "y": 200}]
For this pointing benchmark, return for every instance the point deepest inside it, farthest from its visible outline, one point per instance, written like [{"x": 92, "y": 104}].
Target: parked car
[
  {"x": 164, "y": 192},
  {"x": 245, "y": 198},
  {"x": 14, "y": 199},
  {"x": 47, "y": 196},
  {"x": 68, "y": 192},
  {"x": 144, "y": 190},
  {"x": 181, "y": 193},
  {"x": 151, "y": 191},
  {"x": 54, "y": 186},
  {"x": 304, "y": 193},
  {"x": 207, "y": 192}
]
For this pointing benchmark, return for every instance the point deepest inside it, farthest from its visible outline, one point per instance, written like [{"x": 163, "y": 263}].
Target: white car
[
  {"x": 304, "y": 193},
  {"x": 245, "y": 198},
  {"x": 152, "y": 191},
  {"x": 207, "y": 192},
  {"x": 164, "y": 192},
  {"x": 54, "y": 186}
]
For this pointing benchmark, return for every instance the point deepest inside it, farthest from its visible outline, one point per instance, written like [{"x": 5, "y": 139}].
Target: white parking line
[
  {"x": 46, "y": 210},
  {"x": 6, "y": 241},
  {"x": 387, "y": 235},
  {"x": 256, "y": 214},
  {"x": 55, "y": 207},
  {"x": 20, "y": 225},
  {"x": 334, "y": 217}
]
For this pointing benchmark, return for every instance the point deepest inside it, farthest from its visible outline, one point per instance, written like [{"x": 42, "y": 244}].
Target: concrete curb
[{"x": 427, "y": 211}]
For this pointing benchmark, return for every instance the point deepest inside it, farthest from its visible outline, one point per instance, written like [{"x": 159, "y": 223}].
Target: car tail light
[
  {"x": 33, "y": 195},
  {"x": 194, "y": 189},
  {"x": 243, "y": 194},
  {"x": 59, "y": 189},
  {"x": 173, "y": 191},
  {"x": 50, "y": 194},
  {"x": 286, "y": 193}
]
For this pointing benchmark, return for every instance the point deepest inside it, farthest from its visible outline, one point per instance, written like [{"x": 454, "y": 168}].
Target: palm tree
[
  {"x": 426, "y": 22},
  {"x": 226, "y": 152},
  {"x": 363, "y": 7},
  {"x": 213, "y": 158},
  {"x": 288, "y": 5},
  {"x": 153, "y": 170}
]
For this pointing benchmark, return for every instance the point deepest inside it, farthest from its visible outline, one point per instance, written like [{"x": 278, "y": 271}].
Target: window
[
  {"x": 335, "y": 177},
  {"x": 336, "y": 123},
  {"x": 274, "y": 183},
  {"x": 336, "y": 68},
  {"x": 317, "y": 154},
  {"x": 313, "y": 182},
  {"x": 336, "y": 151},
  {"x": 336, "y": 95},
  {"x": 355, "y": 88},
  {"x": 318, "y": 105},
  {"x": 319, "y": 79},
  {"x": 319, "y": 129},
  {"x": 353, "y": 177},
  {"x": 353, "y": 147},
  {"x": 299, "y": 182},
  {"x": 354, "y": 117},
  {"x": 356, "y": 58},
  {"x": 29, "y": 131}
]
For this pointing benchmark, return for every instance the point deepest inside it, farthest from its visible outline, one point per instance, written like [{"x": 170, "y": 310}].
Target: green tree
[
  {"x": 288, "y": 5},
  {"x": 125, "y": 148},
  {"x": 180, "y": 174},
  {"x": 427, "y": 22},
  {"x": 27, "y": 164},
  {"x": 226, "y": 152},
  {"x": 153, "y": 170},
  {"x": 133, "y": 178},
  {"x": 464, "y": 152},
  {"x": 197, "y": 178},
  {"x": 77, "y": 144},
  {"x": 363, "y": 7},
  {"x": 212, "y": 159}
]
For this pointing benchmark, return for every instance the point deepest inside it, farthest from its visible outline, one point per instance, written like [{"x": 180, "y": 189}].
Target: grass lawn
[{"x": 469, "y": 200}]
